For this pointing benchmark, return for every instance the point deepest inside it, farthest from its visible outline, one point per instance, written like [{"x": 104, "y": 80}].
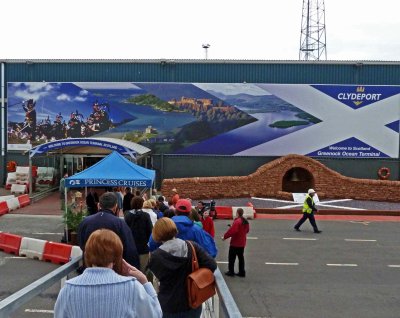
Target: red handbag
[{"x": 200, "y": 283}]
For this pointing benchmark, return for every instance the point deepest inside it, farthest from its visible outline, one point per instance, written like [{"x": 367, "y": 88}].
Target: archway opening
[{"x": 297, "y": 180}]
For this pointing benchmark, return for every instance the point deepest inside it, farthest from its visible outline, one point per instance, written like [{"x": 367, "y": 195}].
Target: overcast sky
[{"x": 176, "y": 29}]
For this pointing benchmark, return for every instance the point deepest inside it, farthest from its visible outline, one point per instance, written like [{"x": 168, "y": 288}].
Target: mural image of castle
[{"x": 206, "y": 109}]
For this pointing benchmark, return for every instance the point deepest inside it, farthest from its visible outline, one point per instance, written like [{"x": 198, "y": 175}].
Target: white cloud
[
  {"x": 64, "y": 97},
  {"x": 80, "y": 99},
  {"x": 26, "y": 94},
  {"x": 83, "y": 92}
]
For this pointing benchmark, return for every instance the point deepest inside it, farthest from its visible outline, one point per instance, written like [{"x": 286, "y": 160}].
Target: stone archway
[{"x": 297, "y": 180}]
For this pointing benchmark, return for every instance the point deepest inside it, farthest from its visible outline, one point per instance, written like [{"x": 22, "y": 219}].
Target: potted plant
[{"x": 72, "y": 217}]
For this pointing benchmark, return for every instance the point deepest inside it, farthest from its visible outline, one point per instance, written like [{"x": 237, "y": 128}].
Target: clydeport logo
[{"x": 359, "y": 96}]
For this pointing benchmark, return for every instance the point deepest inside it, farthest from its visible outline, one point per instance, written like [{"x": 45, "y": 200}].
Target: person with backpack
[
  {"x": 238, "y": 234},
  {"x": 187, "y": 230},
  {"x": 141, "y": 226}
]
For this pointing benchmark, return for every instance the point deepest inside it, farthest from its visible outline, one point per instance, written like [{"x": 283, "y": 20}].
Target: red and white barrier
[
  {"x": 229, "y": 212},
  {"x": 19, "y": 188},
  {"x": 32, "y": 248},
  {"x": 3, "y": 208},
  {"x": 224, "y": 212},
  {"x": 57, "y": 253},
  {"x": 75, "y": 252},
  {"x": 248, "y": 212},
  {"x": 12, "y": 204},
  {"x": 4, "y": 198},
  {"x": 24, "y": 200},
  {"x": 10, "y": 243}
]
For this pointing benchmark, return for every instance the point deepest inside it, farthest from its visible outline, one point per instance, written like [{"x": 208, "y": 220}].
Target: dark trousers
[
  {"x": 233, "y": 252},
  {"x": 306, "y": 216}
]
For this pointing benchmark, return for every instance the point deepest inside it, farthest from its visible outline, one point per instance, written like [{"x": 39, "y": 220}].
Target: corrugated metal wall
[
  {"x": 366, "y": 73},
  {"x": 213, "y": 72}
]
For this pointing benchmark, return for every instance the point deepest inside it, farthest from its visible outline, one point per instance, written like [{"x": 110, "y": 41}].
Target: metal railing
[
  {"x": 222, "y": 300},
  {"x": 211, "y": 309},
  {"x": 16, "y": 300}
]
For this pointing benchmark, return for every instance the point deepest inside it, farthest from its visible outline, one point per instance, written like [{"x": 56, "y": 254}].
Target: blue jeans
[{"x": 193, "y": 313}]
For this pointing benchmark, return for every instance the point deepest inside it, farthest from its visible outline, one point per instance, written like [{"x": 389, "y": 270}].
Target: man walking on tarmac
[{"x": 308, "y": 212}]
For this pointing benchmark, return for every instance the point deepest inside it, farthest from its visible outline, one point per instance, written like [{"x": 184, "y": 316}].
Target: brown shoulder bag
[{"x": 200, "y": 283}]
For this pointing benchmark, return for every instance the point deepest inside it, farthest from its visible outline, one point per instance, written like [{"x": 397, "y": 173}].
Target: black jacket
[
  {"x": 172, "y": 272},
  {"x": 140, "y": 224},
  {"x": 126, "y": 202},
  {"x": 91, "y": 202},
  {"x": 105, "y": 219}
]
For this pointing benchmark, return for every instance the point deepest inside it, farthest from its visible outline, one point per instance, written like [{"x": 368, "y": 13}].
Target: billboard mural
[{"x": 212, "y": 118}]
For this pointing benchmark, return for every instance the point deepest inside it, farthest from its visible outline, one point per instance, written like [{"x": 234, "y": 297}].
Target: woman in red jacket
[{"x": 238, "y": 234}]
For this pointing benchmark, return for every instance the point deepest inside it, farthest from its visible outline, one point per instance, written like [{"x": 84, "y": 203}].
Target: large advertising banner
[{"x": 343, "y": 121}]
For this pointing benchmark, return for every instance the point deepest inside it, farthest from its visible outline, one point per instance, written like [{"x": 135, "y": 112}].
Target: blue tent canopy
[{"x": 112, "y": 171}]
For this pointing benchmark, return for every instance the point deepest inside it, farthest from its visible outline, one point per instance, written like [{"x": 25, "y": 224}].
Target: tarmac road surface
[{"x": 351, "y": 269}]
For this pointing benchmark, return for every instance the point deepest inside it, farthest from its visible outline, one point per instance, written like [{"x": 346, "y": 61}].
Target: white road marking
[
  {"x": 285, "y": 264},
  {"x": 17, "y": 257},
  {"x": 339, "y": 207},
  {"x": 321, "y": 203},
  {"x": 273, "y": 200},
  {"x": 290, "y": 206},
  {"x": 357, "y": 240},
  {"x": 299, "y": 239},
  {"x": 41, "y": 311},
  {"x": 343, "y": 265},
  {"x": 334, "y": 201},
  {"x": 222, "y": 262},
  {"x": 361, "y": 222},
  {"x": 252, "y": 238},
  {"x": 47, "y": 233},
  {"x": 394, "y": 266}
]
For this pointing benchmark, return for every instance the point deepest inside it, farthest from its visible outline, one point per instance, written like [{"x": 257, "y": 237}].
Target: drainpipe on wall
[{"x": 3, "y": 127}]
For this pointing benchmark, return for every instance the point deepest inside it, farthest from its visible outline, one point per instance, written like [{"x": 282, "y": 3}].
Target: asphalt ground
[
  {"x": 339, "y": 204},
  {"x": 361, "y": 280}
]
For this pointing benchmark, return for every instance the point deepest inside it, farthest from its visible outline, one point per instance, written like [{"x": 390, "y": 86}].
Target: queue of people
[{"x": 148, "y": 245}]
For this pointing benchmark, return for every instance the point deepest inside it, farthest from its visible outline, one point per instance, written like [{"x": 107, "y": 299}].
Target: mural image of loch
[
  {"x": 211, "y": 115},
  {"x": 275, "y": 118}
]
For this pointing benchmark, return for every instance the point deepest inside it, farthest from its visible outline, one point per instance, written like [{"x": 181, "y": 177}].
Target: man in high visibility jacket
[{"x": 308, "y": 212}]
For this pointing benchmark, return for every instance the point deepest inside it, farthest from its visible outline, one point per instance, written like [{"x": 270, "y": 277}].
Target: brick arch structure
[
  {"x": 297, "y": 180},
  {"x": 268, "y": 181}
]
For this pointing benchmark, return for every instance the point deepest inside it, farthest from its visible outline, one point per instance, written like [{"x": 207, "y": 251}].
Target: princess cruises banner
[{"x": 344, "y": 121}]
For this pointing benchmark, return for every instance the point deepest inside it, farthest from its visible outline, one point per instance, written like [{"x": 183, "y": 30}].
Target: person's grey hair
[{"x": 108, "y": 200}]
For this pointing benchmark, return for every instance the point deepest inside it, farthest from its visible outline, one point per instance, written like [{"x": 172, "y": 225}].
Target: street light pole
[{"x": 205, "y": 47}]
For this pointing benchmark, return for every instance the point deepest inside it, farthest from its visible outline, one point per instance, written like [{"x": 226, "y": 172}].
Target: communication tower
[{"x": 313, "y": 31}]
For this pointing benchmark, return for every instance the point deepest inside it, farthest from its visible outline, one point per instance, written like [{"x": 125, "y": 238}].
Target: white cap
[{"x": 311, "y": 191}]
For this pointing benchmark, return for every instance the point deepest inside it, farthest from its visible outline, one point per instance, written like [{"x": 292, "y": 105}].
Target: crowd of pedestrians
[{"x": 144, "y": 255}]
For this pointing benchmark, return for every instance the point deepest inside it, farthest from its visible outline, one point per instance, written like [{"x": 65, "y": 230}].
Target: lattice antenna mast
[{"x": 313, "y": 31}]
